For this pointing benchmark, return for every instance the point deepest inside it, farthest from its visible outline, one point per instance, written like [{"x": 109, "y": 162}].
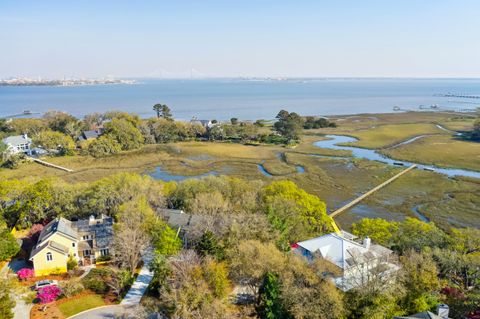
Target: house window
[
  {"x": 104, "y": 252},
  {"x": 86, "y": 237},
  {"x": 73, "y": 244},
  {"x": 49, "y": 256},
  {"x": 87, "y": 252}
]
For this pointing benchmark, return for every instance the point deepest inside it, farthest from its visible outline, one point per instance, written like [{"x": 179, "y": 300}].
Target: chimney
[
  {"x": 443, "y": 310},
  {"x": 25, "y": 136},
  {"x": 91, "y": 219},
  {"x": 367, "y": 242}
]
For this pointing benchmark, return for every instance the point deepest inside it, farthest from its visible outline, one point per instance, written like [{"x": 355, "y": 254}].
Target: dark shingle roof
[
  {"x": 91, "y": 134},
  {"x": 102, "y": 230}
]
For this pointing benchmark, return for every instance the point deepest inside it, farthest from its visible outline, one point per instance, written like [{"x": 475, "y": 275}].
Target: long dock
[
  {"x": 370, "y": 192},
  {"x": 50, "y": 164}
]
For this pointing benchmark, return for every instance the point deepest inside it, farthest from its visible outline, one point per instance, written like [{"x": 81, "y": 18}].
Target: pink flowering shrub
[
  {"x": 25, "y": 273},
  {"x": 48, "y": 294}
]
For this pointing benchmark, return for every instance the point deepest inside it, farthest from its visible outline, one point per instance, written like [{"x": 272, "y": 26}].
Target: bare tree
[{"x": 131, "y": 234}]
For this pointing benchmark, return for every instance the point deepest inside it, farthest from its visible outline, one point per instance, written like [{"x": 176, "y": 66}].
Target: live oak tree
[
  {"x": 125, "y": 133},
  {"x": 53, "y": 140},
  {"x": 103, "y": 146},
  {"x": 289, "y": 125}
]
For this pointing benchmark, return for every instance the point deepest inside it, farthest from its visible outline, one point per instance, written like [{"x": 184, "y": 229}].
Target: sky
[{"x": 232, "y": 38}]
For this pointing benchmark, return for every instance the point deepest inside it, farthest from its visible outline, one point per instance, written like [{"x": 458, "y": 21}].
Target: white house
[
  {"x": 359, "y": 263},
  {"x": 18, "y": 144},
  {"x": 208, "y": 124}
]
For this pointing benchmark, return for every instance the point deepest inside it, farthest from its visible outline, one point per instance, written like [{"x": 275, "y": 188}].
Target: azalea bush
[
  {"x": 48, "y": 294},
  {"x": 25, "y": 273}
]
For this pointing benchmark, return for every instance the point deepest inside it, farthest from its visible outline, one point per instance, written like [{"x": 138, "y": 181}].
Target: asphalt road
[{"x": 108, "y": 312}]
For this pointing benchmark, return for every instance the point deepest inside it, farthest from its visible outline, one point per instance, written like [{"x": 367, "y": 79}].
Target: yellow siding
[
  {"x": 72, "y": 251},
  {"x": 42, "y": 267}
]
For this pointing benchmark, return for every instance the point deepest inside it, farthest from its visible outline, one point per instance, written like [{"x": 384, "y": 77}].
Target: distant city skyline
[{"x": 251, "y": 38}]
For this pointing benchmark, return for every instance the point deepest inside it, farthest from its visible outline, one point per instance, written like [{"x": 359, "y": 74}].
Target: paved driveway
[
  {"x": 139, "y": 287},
  {"x": 108, "y": 312}
]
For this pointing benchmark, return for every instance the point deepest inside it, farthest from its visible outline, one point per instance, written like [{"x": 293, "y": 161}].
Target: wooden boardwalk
[
  {"x": 50, "y": 164},
  {"x": 370, "y": 192}
]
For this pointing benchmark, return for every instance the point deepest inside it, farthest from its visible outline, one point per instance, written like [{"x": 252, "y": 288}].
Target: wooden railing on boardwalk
[
  {"x": 370, "y": 192},
  {"x": 50, "y": 164}
]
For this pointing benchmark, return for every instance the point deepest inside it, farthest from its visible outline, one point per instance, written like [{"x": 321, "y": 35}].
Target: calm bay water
[{"x": 225, "y": 98}]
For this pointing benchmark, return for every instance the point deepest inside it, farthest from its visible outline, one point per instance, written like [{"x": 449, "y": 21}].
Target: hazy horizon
[{"x": 216, "y": 39}]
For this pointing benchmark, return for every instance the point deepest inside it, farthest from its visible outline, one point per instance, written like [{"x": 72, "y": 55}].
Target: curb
[{"x": 88, "y": 310}]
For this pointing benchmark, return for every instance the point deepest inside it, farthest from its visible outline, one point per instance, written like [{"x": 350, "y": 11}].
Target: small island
[{"x": 62, "y": 82}]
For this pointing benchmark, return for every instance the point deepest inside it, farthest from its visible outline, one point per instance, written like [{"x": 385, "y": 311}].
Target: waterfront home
[
  {"x": 18, "y": 144},
  {"x": 358, "y": 263},
  {"x": 56, "y": 244},
  {"x": 84, "y": 240},
  {"x": 205, "y": 123},
  {"x": 90, "y": 135}
]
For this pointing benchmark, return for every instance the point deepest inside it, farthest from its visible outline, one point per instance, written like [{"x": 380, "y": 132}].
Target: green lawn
[{"x": 83, "y": 303}]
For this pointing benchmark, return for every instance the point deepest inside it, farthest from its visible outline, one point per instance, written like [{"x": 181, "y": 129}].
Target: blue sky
[{"x": 176, "y": 38}]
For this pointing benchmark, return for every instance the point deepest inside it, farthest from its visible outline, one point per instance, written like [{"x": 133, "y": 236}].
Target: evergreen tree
[
  {"x": 8, "y": 245},
  {"x": 269, "y": 304},
  {"x": 208, "y": 245},
  {"x": 163, "y": 111}
]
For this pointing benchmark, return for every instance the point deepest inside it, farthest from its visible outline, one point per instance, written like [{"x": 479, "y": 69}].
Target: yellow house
[{"x": 56, "y": 244}]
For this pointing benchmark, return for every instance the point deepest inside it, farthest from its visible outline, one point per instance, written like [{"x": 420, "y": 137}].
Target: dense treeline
[
  {"x": 61, "y": 133},
  {"x": 241, "y": 244}
]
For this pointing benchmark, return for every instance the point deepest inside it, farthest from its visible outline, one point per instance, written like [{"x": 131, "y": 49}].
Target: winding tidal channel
[{"x": 334, "y": 142}]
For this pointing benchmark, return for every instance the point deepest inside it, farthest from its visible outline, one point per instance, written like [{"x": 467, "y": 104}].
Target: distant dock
[
  {"x": 50, "y": 164},
  {"x": 463, "y": 96}
]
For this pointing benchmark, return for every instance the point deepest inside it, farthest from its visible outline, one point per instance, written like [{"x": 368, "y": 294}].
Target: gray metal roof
[
  {"x": 60, "y": 225},
  {"x": 17, "y": 140}
]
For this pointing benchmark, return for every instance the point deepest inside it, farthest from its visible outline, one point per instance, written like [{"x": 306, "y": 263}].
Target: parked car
[{"x": 45, "y": 283}]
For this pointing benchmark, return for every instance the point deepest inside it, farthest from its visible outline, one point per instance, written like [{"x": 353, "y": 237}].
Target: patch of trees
[
  {"x": 437, "y": 266},
  {"x": 476, "y": 130},
  {"x": 241, "y": 241},
  {"x": 289, "y": 125},
  {"x": 313, "y": 123}
]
